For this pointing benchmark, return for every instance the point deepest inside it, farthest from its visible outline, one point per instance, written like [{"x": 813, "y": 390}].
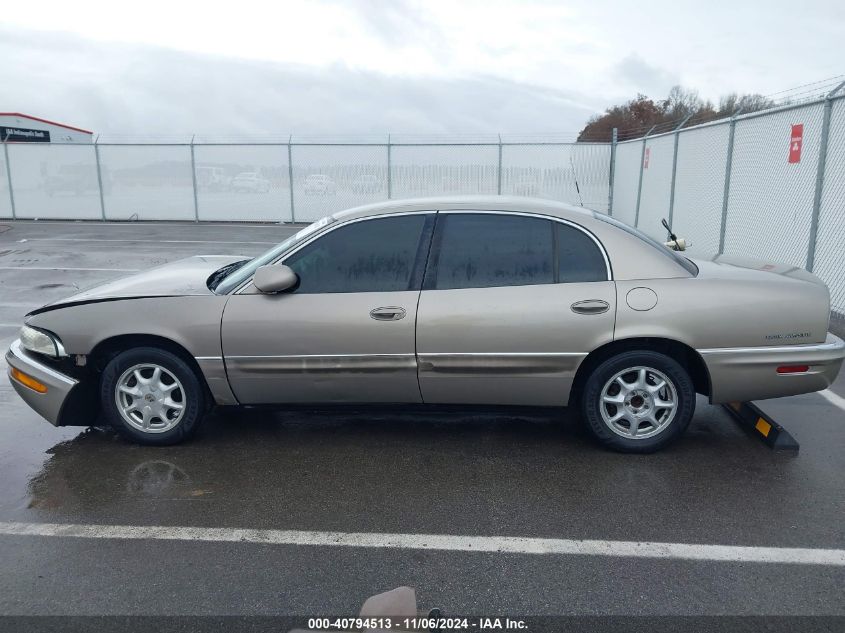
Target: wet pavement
[{"x": 501, "y": 473}]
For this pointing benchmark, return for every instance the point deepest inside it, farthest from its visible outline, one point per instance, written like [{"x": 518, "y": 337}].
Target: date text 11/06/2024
[{"x": 418, "y": 624}]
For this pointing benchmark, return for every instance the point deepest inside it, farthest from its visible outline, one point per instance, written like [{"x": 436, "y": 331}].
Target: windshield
[
  {"x": 673, "y": 255},
  {"x": 236, "y": 277}
]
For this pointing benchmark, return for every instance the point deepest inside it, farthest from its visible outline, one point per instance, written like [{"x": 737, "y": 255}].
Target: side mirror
[{"x": 273, "y": 279}]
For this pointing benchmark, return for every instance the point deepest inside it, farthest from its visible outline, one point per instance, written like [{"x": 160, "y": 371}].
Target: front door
[
  {"x": 346, "y": 333},
  {"x": 511, "y": 304}
]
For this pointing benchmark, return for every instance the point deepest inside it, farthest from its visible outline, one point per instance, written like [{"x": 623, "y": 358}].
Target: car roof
[{"x": 468, "y": 203}]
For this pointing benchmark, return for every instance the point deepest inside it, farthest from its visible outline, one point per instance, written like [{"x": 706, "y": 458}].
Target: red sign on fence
[
  {"x": 795, "y": 142},
  {"x": 646, "y": 157}
]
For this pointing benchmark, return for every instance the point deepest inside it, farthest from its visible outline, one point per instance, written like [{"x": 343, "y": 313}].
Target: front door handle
[
  {"x": 590, "y": 306},
  {"x": 387, "y": 313}
]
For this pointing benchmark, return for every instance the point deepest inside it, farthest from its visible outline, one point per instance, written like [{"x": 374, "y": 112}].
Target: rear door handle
[
  {"x": 590, "y": 306},
  {"x": 387, "y": 313}
]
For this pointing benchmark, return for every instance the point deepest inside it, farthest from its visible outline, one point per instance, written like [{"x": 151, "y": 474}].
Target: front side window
[
  {"x": 369, "y": 256},
  {"x": 486, "y": 250},
  {"x": 230, "y": 277}
]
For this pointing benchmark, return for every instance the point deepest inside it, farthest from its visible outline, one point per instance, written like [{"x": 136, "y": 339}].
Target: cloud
[
  {"x": 640, "y": 77},
  {"x": 397, "y": 22},
  {"x": 140, "y": 90}
]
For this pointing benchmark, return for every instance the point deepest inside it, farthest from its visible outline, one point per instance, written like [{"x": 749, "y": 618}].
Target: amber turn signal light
[{"x": 28, "y": 381}]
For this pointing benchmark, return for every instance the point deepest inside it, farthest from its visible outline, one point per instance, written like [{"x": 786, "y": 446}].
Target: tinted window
[
  {"x": 484, "y": 250},
  {"x": 240, "y": 274},
  {"x": 368, "y": 256},
  {"x": 579, "y": 259}
]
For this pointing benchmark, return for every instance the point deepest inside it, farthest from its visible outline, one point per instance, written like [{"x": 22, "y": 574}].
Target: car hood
[{"x": 180, "y": 278}]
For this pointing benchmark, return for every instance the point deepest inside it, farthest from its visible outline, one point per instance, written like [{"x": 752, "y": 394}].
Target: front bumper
[
  {"x": 750, "y": 373},
  {"x": 48, "y": 404}
]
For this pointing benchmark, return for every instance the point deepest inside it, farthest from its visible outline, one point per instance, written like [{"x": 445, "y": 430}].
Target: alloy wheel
[
  {"x": 150, "y": 398},
  {"x": 638, "y": 402}
]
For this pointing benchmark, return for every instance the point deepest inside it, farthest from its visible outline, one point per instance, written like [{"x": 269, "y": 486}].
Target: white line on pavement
[
  {"x": 4, "y": 345},
  {"x": 443, "y": 542},
  {"x": 833, "y": 398},
  {"x": 116, "y": 270},
  {"x": 97, "y": 239}
]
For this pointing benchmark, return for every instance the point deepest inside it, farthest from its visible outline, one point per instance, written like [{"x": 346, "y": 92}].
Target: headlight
[{"x": 41, "y": 342}]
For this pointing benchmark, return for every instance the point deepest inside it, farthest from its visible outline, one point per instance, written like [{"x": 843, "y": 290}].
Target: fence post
[
  {"x": 817, "y": 196},
  {"x": 290, "y": 178},
  {"x": 675, "y": 168},
  {"x": 100, "y": 178},
  {"x": 640, "y": 184},
  {"x": 9, "y": 178},
  {"x": 499, "y": 171},
  {"x": 194, "y": 182},
  {"x": 389, "y": 169},
  {"x": 613, "y": 140},
  {"x": 727, "y": 190}
]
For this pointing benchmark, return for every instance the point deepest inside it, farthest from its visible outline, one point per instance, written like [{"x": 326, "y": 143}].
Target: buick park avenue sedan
[{"x": 470, "y": 301}]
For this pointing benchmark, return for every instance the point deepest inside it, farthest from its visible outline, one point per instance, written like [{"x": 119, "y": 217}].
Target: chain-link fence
[
  {"x": 768, "y": 185},
  {"x": 296, "y": 181}
]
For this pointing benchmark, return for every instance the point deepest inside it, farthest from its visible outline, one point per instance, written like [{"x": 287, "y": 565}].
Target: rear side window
[
  {"x": 487, "y": 250},
  {"x": 579, "y": 258},
  {"x": 369, "y": 256}
]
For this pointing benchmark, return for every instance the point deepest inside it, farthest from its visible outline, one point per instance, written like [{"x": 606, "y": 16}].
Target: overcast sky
[{"x": 371, "y": 67}]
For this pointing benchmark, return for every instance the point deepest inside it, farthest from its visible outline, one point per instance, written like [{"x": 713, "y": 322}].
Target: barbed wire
[
  {"x": 803, "y": 93},
  {"x": 834, "y": 79},
  {"x": 512, "y": 138},
  {"x": 796, "y": 95}
]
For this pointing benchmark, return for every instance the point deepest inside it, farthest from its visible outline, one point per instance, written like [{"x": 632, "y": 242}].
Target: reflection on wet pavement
[{"x": 392, "y": 471}]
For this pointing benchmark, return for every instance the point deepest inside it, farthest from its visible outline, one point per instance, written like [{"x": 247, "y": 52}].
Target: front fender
[{"x": 192, "y": 322}]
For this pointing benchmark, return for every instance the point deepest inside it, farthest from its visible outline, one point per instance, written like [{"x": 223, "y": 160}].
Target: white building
[{"x": 23, "y": 128}]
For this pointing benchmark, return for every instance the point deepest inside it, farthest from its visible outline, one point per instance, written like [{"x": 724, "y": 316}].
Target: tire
[
  {"x": 633, "y": 380},
  {"x": 172, "y": 403}
]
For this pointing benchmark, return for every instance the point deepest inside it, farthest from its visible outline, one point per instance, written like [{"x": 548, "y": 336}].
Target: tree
[
  {"x": 732, "y": 103},
  {"x": 636, "y": 117},
  {"x": 682, "y": 102},
  {"x": 638, "y": 114}
]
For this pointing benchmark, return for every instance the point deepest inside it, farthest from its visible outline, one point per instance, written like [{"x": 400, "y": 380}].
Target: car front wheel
[
  {"x": 638, "y": 402},
  {"x": 152, "y": 396}
]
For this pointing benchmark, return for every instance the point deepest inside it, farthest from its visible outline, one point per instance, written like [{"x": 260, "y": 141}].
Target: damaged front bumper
[{"x": 49, "y": 398}]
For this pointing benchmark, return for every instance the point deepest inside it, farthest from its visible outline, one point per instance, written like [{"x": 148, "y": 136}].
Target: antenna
[{"x": 575, "y": 176}]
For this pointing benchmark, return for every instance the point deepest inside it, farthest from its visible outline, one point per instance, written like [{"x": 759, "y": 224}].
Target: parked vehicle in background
[
  {"x": 320, "y": 184},
  {"x": 477, "y": 300},
  {"x": 366, "y": 183},
  {"x": 454, "y": 185},
  {"x": 250, "y": 182},
  {"x": 212, "y": 178},
  {"x": 526, "y": 187},
  {"x": 76, "y": 180}
]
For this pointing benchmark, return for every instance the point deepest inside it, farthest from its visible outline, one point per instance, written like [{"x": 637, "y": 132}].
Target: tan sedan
[{"x": 460, "y": 301}]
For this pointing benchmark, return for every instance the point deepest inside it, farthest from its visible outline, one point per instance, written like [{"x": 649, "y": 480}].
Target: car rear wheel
[
  {"x": 152, "y": 396},
  {"x": 638, "y": 402}
]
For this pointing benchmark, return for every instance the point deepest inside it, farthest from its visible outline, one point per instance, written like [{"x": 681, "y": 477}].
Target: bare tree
[
  {"x": 635, "y": 117},
  {"x": 729, "y": 104}
]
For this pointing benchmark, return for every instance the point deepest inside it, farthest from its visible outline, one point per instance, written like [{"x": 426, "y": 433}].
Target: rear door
[
  {"x": 510, "y": 305},
  {"x": 346, "y": 334}
]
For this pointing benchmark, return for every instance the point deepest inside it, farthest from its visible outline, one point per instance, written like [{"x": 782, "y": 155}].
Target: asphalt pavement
[{"x": 479, "y": 474}]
